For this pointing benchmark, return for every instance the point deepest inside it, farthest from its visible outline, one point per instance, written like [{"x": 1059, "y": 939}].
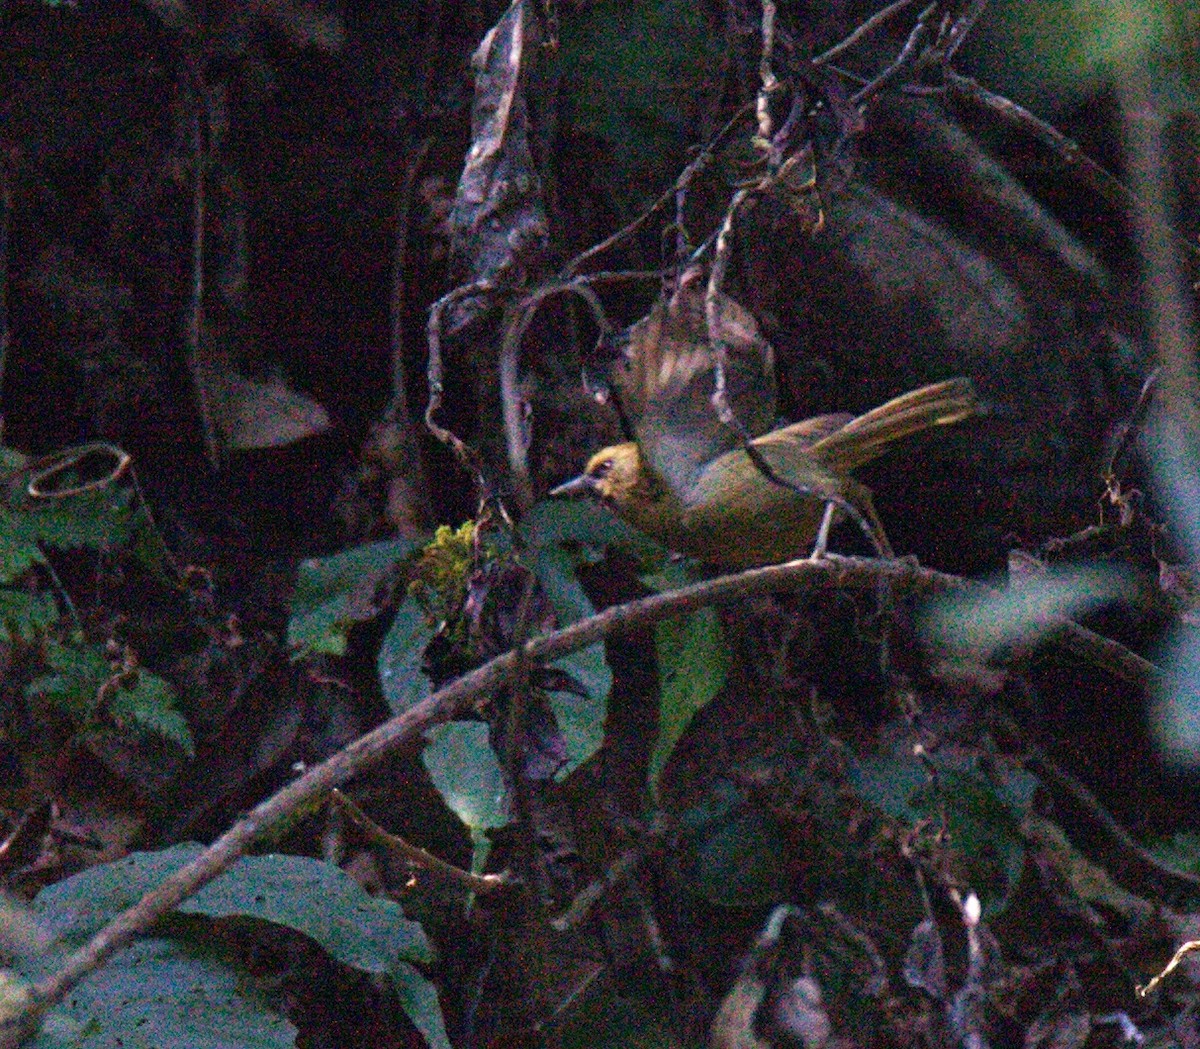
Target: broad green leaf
[
  {"x": 163, "y": 994},
  {"x": 580, "y": 720},
  {"x": 692, "y": 664},
  {"x": 333, "y": 593},
  {"x": 314, "y": 898},
  {"x": 465, "y": 772},
  {"x": 403, "y": 683},
  {"x": 321, "y": 901},
  {"x": 592, "y": 528},
  {"x": 561, "y": 537},
  {"x": 419, "y": 1000}
]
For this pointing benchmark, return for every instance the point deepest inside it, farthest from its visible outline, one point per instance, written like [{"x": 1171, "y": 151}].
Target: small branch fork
[{"x": 22, "y": 1008}]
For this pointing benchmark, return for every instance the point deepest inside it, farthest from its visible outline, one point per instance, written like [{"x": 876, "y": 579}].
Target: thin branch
[
  {"x": 664, "y": 198},
  {"x": 909, "y": 54},
  {"x": 517, "y": 321},
  {"x": 435, "y": 373},
  {"x": 397, "y": 410},
  {"x": 876, "y": 20},
  {"x": 194, "y": 328},
  {"x": 461, "y": 695},
  {"x": 1104, "y": 182},
  {"x": 416, "y": 858},
  {"x": 766, "y": 73},
  {"x": 5, "y": 217},
  {"x": 590, "y": 895},
  {"x": 962, "y": 27}
]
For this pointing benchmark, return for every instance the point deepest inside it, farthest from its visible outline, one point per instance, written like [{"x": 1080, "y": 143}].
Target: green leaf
[
  {"x": 98, "y": 519},
  {"x": 592, "y": 528},
  {"x": 368, "y": 933},
  {"x": 580, "y": 720},
  {"x": 163, "y": 994},
  {"x": 889, "y": 782},
  {"x": 465, "y": 772},
  {"x": 692, "y": 664},
  {"x": 403, "y": 683},
  {"x": 983, "y": 814},
  {"x": 18, "y": 545},
  {"x": 77, "y": 674},
  {"x": 314, "y": 898},
  {"x": 561, "y": 537},
  {"x": 148, "y": 704},
  {"x": 143, "y": 701},
  {"x": 24, "y": 615},
  {"x": 333, "y": 593},
  {"x": 419, "y": 1000}
]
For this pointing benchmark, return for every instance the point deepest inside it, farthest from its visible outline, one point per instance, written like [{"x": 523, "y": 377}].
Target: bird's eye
[{"x": 602, "y": 469}]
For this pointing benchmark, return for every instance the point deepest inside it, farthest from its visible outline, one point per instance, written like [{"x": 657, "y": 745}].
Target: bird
[{"x": 695, "y": 485}]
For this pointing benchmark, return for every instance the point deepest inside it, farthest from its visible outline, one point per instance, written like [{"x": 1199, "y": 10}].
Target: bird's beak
[{"x": 583, "y": 485}]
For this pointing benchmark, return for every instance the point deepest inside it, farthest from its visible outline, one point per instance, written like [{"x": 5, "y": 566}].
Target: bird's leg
[{"x": 819, "y": 547}]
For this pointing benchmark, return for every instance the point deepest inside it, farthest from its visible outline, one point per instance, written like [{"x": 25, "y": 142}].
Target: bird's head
[
  {"x": 614, "y": 476},
  {"x": 620, "y": 478}
]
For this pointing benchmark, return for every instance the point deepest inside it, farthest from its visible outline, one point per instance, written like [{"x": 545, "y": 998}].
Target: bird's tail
[{"x": 867, "y": 436}]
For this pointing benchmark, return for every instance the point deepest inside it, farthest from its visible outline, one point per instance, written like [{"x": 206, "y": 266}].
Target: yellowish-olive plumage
[
  {"x": 739, "y": 512},
  {"x": 690, "y": 481}
]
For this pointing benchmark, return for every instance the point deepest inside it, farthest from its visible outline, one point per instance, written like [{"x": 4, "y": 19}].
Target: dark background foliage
[{"x": 224, "y": 228}]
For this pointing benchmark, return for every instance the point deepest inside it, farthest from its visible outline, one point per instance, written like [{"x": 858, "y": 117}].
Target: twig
[
  {"x": 766, "y": 73},
  {"x": 194, "y": 328},
  {"x": 435, "y": 373},
  {"x": 1104, "y": 182},
  {"x": 909, "y": 53},
  {"x": 460, "y": 696},
  {"x": 397, "y": 410},
  {"x": 1121, "y": 849},
  {"x": 517, "y": 321},
  {"x": 664, "y": 198},
  {"x": 416, "y": 858},
  {"x": 877, "y": 19},
  {"x": 585, "y": 900},
  {"x": 962, "y": 27},
  {"x": 5, "y": 218}
]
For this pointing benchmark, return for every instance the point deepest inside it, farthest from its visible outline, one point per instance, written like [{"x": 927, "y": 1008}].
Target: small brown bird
[
  {"x": 689, "y": 482},
  {"x": 739, "y": 512}
]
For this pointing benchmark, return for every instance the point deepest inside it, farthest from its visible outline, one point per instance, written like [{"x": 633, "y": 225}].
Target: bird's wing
[{"x": 668, "y": 377}]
